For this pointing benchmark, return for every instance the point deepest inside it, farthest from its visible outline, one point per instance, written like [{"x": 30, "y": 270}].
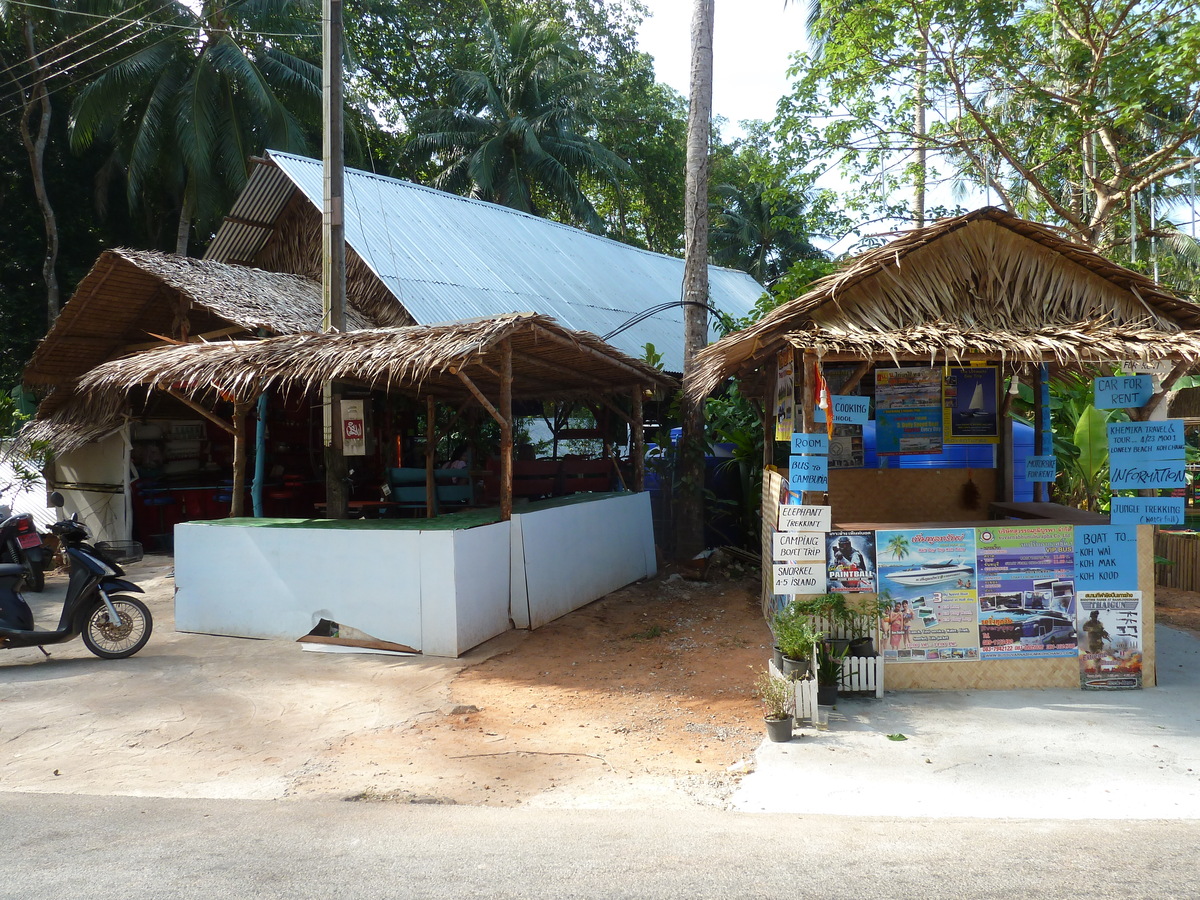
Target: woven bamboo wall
[
  {"x": 1183, "y": 550},
  {"x": 908, "y": 495}
]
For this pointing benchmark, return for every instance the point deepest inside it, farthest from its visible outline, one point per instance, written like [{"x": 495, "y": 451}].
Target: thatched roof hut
[
  {"x": 132, "y": 298},
  {"x": 985, "y": 285}
]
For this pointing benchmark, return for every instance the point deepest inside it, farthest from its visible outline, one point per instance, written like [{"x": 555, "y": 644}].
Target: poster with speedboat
[
  {"x": 927, "y": 576},
  {"x": 1026, "y": 591}
]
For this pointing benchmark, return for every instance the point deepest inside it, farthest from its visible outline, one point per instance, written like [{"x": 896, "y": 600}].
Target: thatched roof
[
  {"x": 130, "y": 295},
  {"x": 982, "y": 285},
  {"x": 548, "y": 362}
]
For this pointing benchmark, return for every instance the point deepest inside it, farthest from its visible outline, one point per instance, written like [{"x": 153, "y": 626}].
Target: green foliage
[
  {"x": 794, "y": 633},
  {"x": 1067, "y": 110},
  {"x": 777, "y": 695}
]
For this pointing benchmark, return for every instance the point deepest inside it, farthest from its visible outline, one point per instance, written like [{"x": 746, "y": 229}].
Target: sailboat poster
[{"x": 971, "y": 403}]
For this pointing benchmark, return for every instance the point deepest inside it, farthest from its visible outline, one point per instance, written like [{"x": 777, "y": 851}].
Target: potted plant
[
  {"x": 829, "y": 672},
  {"x": 795, "y": 638},
  {"x": 864, "y": 622},
  {"x": 778, "y": 699}
]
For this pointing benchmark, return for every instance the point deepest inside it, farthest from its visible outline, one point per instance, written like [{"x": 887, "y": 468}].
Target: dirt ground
[
  {"x": 647, "y": 690},
  {"x": 1178, "y": 608}
]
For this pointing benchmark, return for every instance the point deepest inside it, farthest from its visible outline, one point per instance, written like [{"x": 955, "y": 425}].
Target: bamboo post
[
  {"x": 506, "y": 433},
  {"x": 430, "y": 442},
  {"x": 638, "y": 440},
  {"x": 768, "y": 414},
  {"x": 237, "y": 506}
]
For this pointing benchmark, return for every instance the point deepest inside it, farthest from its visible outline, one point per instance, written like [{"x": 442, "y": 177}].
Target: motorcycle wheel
[
  {"x": 35, "y": 577},
  {"x": 117, "y": 641}
]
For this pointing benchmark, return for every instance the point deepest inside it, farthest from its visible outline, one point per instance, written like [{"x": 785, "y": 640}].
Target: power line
[
  {"x": 194, "y": 28},
  {"x": 30, "y": 60}
]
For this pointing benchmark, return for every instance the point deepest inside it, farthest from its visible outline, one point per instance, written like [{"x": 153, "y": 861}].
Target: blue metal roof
[{"x": 446, "y": 257}]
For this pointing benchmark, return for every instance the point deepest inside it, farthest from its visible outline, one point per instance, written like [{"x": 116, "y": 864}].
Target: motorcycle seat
[{"x": 10, "y": 569}]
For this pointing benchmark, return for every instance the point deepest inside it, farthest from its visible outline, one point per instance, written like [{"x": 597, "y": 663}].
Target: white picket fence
[{"x": 862, "y": 675}]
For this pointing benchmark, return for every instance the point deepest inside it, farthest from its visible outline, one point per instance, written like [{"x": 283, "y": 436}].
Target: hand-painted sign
[
  {"x": 1147, "y": 511},
  {"x": 847, "y": 410},
  {"x": 1165, "y": 475},
  {"x": 817, "y": 444},
  {"x": 799, "y": 578},
  {"x": 798, "y": 546},
  {"x": 1040, "y": 468},
  {"x": 1160, "y": 437},
  {"x": 804, "y": 518},
  {"x": 808, "y": 473},
  {"x": 1123, "y": 391},
  {"x": 1105, "y": 558}
]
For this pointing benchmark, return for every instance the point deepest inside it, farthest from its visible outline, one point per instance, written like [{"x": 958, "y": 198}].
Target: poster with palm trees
[{"x": 927, "y": 580}]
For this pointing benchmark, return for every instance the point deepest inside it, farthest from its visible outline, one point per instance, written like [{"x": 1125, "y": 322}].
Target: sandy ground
[{"x": 642, "y": 697}]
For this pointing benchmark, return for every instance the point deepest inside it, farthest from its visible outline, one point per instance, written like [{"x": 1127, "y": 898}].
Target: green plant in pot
[
  {"x": 795, "y": 637},
  {"x": 829, "y": 672},
  {"x": 778, "y": 698},
  {"x": 864, "y": 623}
]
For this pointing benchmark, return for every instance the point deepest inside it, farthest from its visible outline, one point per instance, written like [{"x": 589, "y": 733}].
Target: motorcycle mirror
[{"x": 56, "y": 500}]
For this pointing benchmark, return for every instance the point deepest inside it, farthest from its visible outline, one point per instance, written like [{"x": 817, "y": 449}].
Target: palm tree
[
  {"x": 897, "y": 546},
  {"x": 758, "y": 234},
  {"x": 207, "y": 90},
  {"x": 517, "y": 133}
]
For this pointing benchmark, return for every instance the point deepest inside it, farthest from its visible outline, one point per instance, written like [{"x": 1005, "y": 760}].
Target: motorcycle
[
  {"x": 21, "y": 544},
  {"x": 112, "y": 626}
]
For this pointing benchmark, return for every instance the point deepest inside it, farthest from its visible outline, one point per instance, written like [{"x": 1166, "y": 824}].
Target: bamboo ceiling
[
  {"x": 982, "y": 285},
  {"x": 548, "y": 362}
]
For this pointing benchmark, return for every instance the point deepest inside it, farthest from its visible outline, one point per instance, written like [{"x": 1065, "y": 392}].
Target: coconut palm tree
[
  {"x": 517, "y": 133},
  {"x": 897, "y": 546},
  {"x": 206, "y": 90},
  {"x": 757, "y": 234}
]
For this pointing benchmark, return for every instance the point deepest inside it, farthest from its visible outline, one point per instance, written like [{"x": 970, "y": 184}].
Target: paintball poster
[
  {"x": 929, "y": 577},
  {"x": 908, "y": 411},
  {"x": 1026, "y": 591},
  {"x": 971, "y": 397},
  {"x": 851, "y": 562},
  {"x": 1110, "y": 640}
]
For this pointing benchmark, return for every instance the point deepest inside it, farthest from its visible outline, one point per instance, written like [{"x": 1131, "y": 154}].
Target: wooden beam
[
  {"x": 483, "y": 401},
  {"x": 768, "y": 415},
  {"x": 638, "y": 442},
  {"x": 430, "y": 443},
  {"x": 588, "y": 351},
  {"x": 856, "y": 376},
  {"x": 506, "y": 432},
  {"x": 624, "y": 416},
  {"x": 237, "y": 506},
  {"x": 556, "y": 370},
  {"x": 195, "y": 339},
  {"x": 193, "y": 405}
]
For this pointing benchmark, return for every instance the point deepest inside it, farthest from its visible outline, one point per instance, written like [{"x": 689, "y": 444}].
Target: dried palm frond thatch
[
  {"x": 548, "y": 362},
  {"x": 983, "y": 284}
]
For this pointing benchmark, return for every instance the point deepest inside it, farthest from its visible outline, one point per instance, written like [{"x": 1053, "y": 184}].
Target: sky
[{"x": 752, "y": 42}]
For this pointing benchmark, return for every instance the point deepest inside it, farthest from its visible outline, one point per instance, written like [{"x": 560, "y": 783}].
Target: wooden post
[
  {"x": 1040, "y": 492},
  {"x": 768, "y": 414},
  {"x": 506, "y": 434},
  {"x": 237, "y": 506},
  {"x": 638, "y": 441},
  {"x": 430, "y": 446}
]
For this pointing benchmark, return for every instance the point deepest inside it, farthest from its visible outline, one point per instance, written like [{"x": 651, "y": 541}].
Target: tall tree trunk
[
  {"x": 38, "y": 98},
  {"x": 919, "y": 127},
  {"x": 689, "y": 511}
]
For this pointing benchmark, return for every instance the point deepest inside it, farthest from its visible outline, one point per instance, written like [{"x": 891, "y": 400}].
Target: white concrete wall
[
  {"x": 578, "y": 553},
  {"x": 107, "y": 515}
]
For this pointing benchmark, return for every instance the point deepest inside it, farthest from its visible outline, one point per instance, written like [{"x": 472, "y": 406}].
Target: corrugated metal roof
[{"x": 447, "y": 257}]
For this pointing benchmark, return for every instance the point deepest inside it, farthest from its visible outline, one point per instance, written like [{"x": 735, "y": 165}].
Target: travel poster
[
  {"x": 928, "y": 575},
  {"x": 908, "y": 411},
  {"x": 785, "y": 396},
  {"x": 851, "y": 562},
  {"x": 1026, "y": 591},
  {"x": 1110, "y": 640},
  {"x": 971, "y": 399}
]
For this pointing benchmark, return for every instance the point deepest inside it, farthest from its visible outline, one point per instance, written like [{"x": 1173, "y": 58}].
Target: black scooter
[
  {"x": 112, "y": 626},
  {"x": 20, "y": 543}
]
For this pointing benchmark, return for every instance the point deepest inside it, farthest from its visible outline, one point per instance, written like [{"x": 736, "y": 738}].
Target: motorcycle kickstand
[{"x": 44, "y": 651}]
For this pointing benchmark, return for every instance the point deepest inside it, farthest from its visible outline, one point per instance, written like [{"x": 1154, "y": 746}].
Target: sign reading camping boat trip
[
  {"x": 798, "y": 546},
  {"x": 1110, "y": 640},
  {"x": 1026, "y": 591},
  {"x": 929, "y": 576},
  {"x": 851, "y": 562},
  {"x": 971, "y": 403}
]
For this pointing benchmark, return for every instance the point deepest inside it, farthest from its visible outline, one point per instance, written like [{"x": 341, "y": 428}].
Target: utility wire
[
  {"x": 30, "y": 60},
  {"x": 194, "y": 28}
]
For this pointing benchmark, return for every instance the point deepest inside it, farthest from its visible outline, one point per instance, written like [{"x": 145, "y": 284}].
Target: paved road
[{"x": 60, "y": 846}]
